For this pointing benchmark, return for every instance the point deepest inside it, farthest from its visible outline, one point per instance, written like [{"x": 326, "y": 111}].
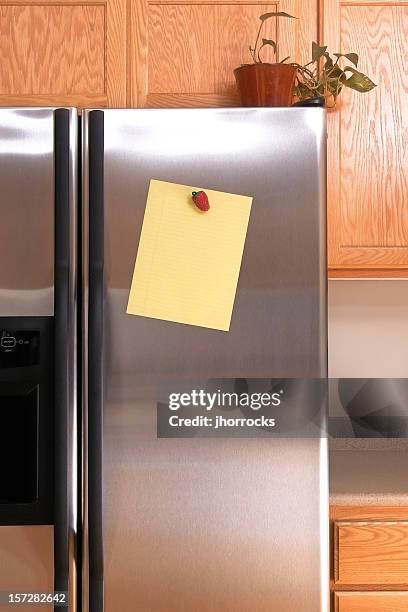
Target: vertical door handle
[{"x": 95, "y": 358}]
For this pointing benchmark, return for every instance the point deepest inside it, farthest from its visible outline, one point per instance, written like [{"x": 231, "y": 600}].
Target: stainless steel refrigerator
[
  {"x": 204, "y": 524},
  {"x": 92, "y": 502}
]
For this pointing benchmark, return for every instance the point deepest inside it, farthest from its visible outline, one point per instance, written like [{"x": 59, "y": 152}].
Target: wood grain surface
[
  {"x": 192, "y": 100},
  {"x": 366, "y": 513},
  {"x": 374, "y": 158},
  {"x": 116, "y": 60},
  {"x": 371, "y": 602},
  {"x": 367, "y": 157},
  {"x": 371, "y": 553},
  {"x": 206, "y": 39},
  {"x": 343, "y": 272},
  {"x": 67, "y": 53},
  {"x": 183, "y": 52},
  {"x": 52, "y": 50}
]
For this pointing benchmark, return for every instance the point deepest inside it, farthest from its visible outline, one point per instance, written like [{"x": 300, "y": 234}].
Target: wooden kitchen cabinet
[
  {"x": 367, "y": 153},
  {"x": 369, "y": 558},
  {"x": 371, "y": 602},
  {"x": 70, "y": 52},
  {"x": 138, "y": 53}
]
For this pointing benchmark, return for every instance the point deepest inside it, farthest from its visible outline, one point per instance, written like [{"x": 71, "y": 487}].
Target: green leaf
[
  {"x": 317, "y": 51},
  {"x": 334, "y": 87},
  {"x": 268, "y": 41},
  {"x": 352, "y": 57},
  {"x": 328, "y": 64},
  {"x": 266, "y": 16},
  {"x": 304, "y": 89},
  {"x": 335, "y": 73},
  {"x": 303, "y": 92},
  {"x": 358, "y": 81}
]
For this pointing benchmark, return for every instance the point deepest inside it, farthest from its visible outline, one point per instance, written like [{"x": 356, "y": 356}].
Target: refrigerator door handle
[
  {"x": 95, "y": 361},
  {"x": 65, "y": 480}
]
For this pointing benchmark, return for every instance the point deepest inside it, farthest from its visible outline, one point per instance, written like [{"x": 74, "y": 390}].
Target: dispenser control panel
[{"x": 19, "y": 348}]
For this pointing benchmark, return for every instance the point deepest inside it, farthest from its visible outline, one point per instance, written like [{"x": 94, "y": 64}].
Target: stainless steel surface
[
  {"x": 216, "y": 524},
  {"x": 27, "y": 289},
  {"x": 27, "y": 212},
  {"x": 26, "y": 561}
]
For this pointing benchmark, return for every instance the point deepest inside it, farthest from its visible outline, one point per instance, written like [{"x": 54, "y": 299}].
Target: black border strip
[
  {"x": 61, "y": 343},
  {"x": 95, "y": 358}
]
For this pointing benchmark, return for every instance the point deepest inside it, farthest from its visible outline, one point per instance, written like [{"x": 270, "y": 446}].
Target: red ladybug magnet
[{"x": 200, "y": 199}]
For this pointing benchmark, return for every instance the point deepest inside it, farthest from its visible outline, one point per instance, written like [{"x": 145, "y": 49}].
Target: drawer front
[
  {"x": 371, "y": 553},
  {"x": 371, "y": 602}
]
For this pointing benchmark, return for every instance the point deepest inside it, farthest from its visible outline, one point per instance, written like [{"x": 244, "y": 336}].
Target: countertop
[{"x": 369, "y": 472}]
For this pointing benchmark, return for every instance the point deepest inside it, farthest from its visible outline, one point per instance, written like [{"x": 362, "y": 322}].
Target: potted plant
[
  {"x": 263, "y": 83},
  {"x": 325, "y": 76}
]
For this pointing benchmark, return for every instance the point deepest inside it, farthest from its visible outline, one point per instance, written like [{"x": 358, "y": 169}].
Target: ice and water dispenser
[{"x": 26, "y": 432}]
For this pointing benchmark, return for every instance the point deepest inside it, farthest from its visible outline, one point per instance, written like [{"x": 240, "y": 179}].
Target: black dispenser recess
[{"x": 26, "y": 430}]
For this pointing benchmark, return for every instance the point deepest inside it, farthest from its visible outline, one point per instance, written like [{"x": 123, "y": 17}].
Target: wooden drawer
[
  {"x": 371, "y": 602},
  {"x": 371, "y": 554}
]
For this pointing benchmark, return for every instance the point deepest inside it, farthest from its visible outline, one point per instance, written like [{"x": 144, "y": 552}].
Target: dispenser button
[
  {"x": 8, "y": 342},
  {"x": 19, "y": 348}
]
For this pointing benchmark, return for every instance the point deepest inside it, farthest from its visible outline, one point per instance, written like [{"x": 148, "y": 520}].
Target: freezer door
[
  {"x": 210, "y": 525},
  {"x": 38, "y": 369}
]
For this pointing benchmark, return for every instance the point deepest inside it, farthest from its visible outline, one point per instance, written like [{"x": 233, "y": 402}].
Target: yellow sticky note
[{"x": 188, "y": 261}]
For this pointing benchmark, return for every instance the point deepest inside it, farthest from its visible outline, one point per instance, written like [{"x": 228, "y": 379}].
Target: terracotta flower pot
[{"x": 266, "y": 84}]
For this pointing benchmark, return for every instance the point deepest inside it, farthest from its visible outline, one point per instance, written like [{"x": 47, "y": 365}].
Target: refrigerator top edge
[
  {"x": 219, "y": 110},
  {"x": 36, "y": 108}
]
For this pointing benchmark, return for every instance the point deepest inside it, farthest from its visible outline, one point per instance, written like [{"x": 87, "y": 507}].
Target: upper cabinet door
[
  {"x": 70, "y": 52},
  {"x": 183, "y": 52},
  {"x": 367, "y": 146}
]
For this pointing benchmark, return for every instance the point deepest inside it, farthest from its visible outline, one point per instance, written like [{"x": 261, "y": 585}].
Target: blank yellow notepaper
[{"x": 188, "y": 261}]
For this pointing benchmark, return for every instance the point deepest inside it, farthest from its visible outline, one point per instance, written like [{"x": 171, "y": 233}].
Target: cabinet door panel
[
  {"x": 371, "y": 553},
  {"x": 368, "y": 157},
  {"x": 62, "y": 53},
  {"x": 41, "y": 43}
]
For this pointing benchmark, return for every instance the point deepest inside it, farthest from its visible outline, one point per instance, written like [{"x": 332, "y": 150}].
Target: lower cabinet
[
  {"x": 369, "y": 558},
  {"x": 371, "y": 602},
  {"x": 371, "y": 552}
]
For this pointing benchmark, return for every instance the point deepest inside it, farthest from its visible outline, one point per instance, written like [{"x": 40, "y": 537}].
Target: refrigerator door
[
  {"x": 27, "y": 227},
  {"x": 38, "y": 453},
  {"x": 210, "y": 525}
]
